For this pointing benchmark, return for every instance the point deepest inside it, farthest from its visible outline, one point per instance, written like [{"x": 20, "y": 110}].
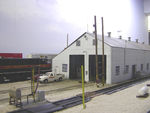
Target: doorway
[
  {"x": 133, "y": 71},
  {"x": 75, "y": 66},
  {"x": 92, "y": 67}
]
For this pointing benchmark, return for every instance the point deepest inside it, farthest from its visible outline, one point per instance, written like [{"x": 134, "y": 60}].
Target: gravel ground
[
  {"x": 124, "y": 101},
  {"x": 54, "y": 91}
]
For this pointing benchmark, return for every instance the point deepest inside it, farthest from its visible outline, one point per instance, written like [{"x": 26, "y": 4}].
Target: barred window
[
  {"x": 78, "y": 43},
  {"x": 64, "y": 67},
  {"x": 147, "y": 66},
  {"x": 126, "y": 68},
  {"x": 117, "y": 70},
  {"x": 141, "y": 67}
]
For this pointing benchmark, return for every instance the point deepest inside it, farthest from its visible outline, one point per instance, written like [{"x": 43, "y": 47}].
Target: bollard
[{"x": 82, "y": 86}]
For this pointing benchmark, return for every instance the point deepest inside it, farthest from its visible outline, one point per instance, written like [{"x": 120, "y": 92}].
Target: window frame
[
  {"x": 64, "y": 67},
  {"x": 142, "y": 67},
  {"x": 126, "y": 69},
  {"x": 78, "y": 43},
  {"x": 117, "y": 70},
  {"x": 147, "y": 66}
]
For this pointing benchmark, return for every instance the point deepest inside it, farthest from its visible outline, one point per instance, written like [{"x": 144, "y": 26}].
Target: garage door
[
  {"x": 92, "y": 67},
  {"x": 75, "y": 66}
]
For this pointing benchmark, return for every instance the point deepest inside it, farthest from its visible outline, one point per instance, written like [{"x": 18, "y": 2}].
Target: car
[{"x": 50, "y": 76}]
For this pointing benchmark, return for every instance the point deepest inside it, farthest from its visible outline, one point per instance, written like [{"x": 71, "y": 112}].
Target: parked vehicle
[{"x": 50, "y": 76}]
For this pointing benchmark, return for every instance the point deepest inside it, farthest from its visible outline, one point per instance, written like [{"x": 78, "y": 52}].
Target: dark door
[
  {"x": 92, "y": 67},
  {"x": 75, "y": 66},
  {"x": 133, "y": 71}
]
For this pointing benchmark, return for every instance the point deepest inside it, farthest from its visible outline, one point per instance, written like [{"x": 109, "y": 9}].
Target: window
[
  {"x": 94, "y": 42},
  {"x": 147, "y": 66},
  {"x": 78, "y": 43},
  {"x": 126, "y": 69},
  {"x": 117, "y": 70},
  {"x": 141, "y": 67},
  {"x": 86, "y": 38},
  {"x": 64, "y": 67}
]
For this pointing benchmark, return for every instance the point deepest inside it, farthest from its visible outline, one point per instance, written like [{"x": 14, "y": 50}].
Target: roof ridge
[{"x": 122, "y": 43}]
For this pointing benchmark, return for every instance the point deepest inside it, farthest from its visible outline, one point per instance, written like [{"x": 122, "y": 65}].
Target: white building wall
[
  {"x": 107, "y": 52},
  {"x": 117, "y": 60},
  {"x": 132, "y": 57},
  {"x": 86, "y": 48},
  {"x": 115, "y": 57}
]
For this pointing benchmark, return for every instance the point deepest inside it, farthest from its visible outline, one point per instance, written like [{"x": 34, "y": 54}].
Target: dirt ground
[
  {"x": 124, "y": 101},
  {"x": 53, "y": 91}
]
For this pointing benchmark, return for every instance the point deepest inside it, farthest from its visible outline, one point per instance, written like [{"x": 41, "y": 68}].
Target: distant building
[
  {"x": 124, "y": 59},
  {"x": 10, "y": 55},
  {"x": 49, "y": 57}
]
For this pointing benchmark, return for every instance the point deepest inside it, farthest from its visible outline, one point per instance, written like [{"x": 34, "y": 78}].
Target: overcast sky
[
  {"x": 41, "y": 26},
  {"x": 34, "y": 26}
]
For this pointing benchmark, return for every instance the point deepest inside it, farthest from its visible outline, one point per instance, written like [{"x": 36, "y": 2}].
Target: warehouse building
[
  {"x": 124, "y": 59},
  {"x": 49, "y": 57}
]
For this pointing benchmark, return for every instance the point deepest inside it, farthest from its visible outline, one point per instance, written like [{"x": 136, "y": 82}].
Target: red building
[{"x": 11, "y": 55}]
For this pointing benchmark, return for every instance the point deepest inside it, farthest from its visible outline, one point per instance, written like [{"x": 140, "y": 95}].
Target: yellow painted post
[
  {"x": 33, "y": 83},
  {"x": 103, "y": 57},
  {"x": 82, "y": 86}
]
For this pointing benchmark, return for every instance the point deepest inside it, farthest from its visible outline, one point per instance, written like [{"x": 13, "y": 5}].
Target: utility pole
[
  {"x": 103, "y": 57},
  {"x": 96, "y": 56}
]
